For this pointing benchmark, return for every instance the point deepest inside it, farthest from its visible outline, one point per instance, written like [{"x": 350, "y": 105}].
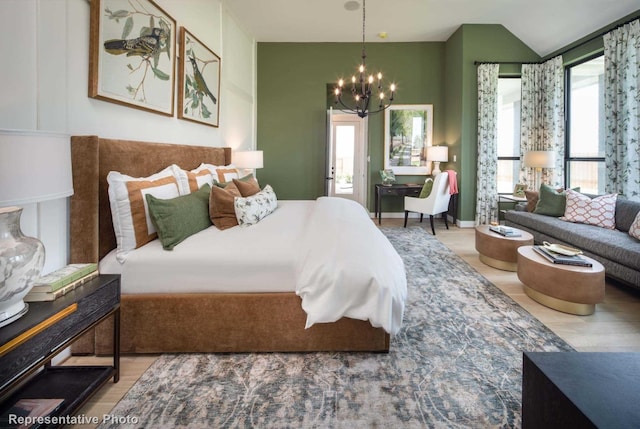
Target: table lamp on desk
[{"x": 437, "y": 154}]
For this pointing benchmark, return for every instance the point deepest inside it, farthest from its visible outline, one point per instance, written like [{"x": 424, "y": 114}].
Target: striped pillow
[
  {"x": 634, "y": 229},
  {"x": 131, "y": 221}
]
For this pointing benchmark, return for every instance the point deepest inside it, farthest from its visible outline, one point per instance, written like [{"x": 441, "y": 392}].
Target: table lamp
[
  {"x": 34, "y": 166},
  {"x": 248, "y": 159},
  {"x": 539, "y": 159},
  {"x": 437, "y": 154}
]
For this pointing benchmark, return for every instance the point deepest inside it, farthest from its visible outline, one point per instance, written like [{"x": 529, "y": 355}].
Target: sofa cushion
[
  {"x": 626, "y": 212},
  {"x": 610, "y": 244}
]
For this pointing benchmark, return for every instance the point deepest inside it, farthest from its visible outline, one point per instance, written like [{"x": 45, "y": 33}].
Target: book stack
[
  {"x": 505, "y": 231},
  {"x": 60, "y": 282},
  {"x": 558, "y": 258}
]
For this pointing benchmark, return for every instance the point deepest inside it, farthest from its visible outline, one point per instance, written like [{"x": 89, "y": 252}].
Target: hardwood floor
[{"x": 615, "y": 326}]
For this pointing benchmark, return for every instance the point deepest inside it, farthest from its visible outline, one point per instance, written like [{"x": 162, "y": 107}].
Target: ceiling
[{"x": 544, "y": 25}]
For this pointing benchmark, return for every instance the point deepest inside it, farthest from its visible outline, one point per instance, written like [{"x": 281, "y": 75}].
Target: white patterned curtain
[
  {"x": 622, "y": 110},
  {"x": 487, "y": 183},
  {"x": 542, "y": 118}
]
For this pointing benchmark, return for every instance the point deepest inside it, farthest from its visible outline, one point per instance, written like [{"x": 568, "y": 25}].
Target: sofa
[{"x": 615, "y": 249}]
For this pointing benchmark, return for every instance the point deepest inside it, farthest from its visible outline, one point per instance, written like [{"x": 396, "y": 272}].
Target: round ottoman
[
  {"x": 567, "y": 288},
  {"x": 499, "y": 251}
]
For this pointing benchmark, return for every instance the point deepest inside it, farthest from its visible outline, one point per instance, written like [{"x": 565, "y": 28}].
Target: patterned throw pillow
[
  {"x": 130, "y": 214},
  {"x": 251, "y": 210},
  {"x": 599, "y": 211},
  {"x": 634, "y": 230}
]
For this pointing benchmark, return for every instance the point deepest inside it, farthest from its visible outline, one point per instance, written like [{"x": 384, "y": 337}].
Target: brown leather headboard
[{"x": 92, "y": 158}]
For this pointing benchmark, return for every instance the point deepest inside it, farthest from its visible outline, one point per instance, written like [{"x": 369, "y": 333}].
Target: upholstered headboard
[{"x": 92, "y": 157}]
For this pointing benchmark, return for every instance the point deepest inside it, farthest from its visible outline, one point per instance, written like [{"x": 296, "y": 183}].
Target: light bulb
[
  {"x": 340, "y": 83},
  {"x": 393, "y": 87},
  {"x": 361, "y": 68},
  {"x": 370, "y": 79},
  {"x": 381, "y": 95},
  {"x": 379, "y": 76}
]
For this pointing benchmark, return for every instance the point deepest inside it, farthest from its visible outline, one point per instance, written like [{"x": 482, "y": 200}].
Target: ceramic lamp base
[{"x": 21, "y": 258}]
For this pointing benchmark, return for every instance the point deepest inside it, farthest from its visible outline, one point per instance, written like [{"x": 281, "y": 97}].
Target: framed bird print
[
  {"x": 132, "y": 54},
  {"x": 199, "y": 81}
]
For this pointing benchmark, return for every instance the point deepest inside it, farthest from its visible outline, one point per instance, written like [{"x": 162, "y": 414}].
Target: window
[
  {"x": 509, "y": 100},
  {"x": 585, "y": 126}
]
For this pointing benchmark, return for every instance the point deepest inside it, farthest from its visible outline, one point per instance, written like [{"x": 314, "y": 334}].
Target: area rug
[{"x": 457, "y": 363}]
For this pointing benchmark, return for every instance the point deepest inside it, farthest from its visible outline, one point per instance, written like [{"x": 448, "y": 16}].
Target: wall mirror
[{"x": 408, "y": 130}]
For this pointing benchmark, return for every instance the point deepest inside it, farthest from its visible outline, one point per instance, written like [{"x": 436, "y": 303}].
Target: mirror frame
[{"x": 424, "y": 167}]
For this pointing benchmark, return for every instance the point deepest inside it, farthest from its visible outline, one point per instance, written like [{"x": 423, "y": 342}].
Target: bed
[{"x": 182, "y": 315}]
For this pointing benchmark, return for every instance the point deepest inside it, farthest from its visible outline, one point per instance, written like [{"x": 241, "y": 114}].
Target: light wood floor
[{"x": 614, "y": 327}]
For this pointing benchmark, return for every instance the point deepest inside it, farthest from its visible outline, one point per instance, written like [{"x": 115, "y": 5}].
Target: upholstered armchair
[{"x": 435, "y": 203}]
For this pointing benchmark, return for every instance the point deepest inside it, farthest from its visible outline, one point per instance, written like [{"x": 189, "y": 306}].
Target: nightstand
[{"x": 28, "y": 345}]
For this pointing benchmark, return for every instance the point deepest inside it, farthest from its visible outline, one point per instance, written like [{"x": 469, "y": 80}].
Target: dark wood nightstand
[{"x": 28, "y": 345}]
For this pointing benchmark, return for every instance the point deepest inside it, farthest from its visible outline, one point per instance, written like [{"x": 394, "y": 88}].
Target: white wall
[{"x": 44, "y": 86}]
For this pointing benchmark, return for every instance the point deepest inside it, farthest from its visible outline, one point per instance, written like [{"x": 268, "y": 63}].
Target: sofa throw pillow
[
  {"x": 551, "y": 202},
  {"x": 532, "y": 200},
  {"x": 132, "y": 224},
  {"x": 247, "y": 187},
  {"x": 221, "y": 209},
  {"x": 634, "y": 230},
  {"x": 253, "y": 209},
  {"x": 426, "y": 188},
  {"x": 177, "y": 218},
  {"x": 599, "y": 211}
]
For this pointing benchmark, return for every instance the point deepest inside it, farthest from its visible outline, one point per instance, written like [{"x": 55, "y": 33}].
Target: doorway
[{"x": 346, "y": 175}]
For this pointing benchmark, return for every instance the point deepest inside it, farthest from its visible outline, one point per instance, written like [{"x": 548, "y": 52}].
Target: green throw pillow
[
  {"x": 426, "y": 189},
  {"x": 178, "y": 218},
  {"x": 552, "y": 202}
]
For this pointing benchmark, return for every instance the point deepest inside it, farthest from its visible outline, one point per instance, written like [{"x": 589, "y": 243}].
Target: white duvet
[
  {"x": 327, "y": 251},
  {"x": 348, "y": 268}
]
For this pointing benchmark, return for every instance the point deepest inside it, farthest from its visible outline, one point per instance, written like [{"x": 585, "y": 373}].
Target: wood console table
[
  {"x": 28, "y": 345},
  {"x": 397, "y": 190}
]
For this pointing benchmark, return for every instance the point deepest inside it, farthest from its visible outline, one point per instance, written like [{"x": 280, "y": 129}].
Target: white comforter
[
  {"x": 328, "y": 251},
  {"x": 348, "y": 268}
]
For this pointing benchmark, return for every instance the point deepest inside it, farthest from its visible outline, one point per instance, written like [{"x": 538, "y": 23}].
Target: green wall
[{"x": 292, "y": 87}]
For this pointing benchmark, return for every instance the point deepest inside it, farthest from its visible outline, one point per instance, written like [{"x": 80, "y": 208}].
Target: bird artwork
[
  {"x": 143, "y": 46},
  {"x": 201, "y": 85}
]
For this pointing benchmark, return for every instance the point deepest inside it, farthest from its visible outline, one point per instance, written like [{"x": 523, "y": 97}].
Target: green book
[{"x": 63, "y": 276}]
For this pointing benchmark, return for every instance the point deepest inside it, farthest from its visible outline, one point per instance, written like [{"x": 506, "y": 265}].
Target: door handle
[{"x": 328, "y": 178}]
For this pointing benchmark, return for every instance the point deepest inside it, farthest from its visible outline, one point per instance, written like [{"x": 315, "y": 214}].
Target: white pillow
[
  {"x": 129, "y": 211},
  {"x": 634, "y": 230},
  {"x": 224, "y": 174},
  {"x": 250, "y": 210},
  {"x": 599, "y": 211}
]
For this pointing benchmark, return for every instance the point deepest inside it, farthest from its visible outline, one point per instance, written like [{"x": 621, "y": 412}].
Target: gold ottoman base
[
  {"x": 559, "y": 304},
  {"x": 495, "y": 263}
]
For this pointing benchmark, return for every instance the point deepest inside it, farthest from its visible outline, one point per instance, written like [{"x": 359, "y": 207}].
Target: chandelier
[{"x": 362, "y": 88}]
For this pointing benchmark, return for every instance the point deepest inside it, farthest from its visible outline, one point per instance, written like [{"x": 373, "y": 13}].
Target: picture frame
[
  {"x": 518, "y": 190},
  {"x": 132, "y": 58},
  {"x": 199, "y": 81},
  {"x": 408, "y": 130}
]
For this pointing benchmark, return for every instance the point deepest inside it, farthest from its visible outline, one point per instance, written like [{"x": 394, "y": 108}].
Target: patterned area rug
[{"x": 457, "y": 363}]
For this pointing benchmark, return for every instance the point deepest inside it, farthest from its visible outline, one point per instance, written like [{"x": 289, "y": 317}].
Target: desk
[{"x": 397, "y": 190}]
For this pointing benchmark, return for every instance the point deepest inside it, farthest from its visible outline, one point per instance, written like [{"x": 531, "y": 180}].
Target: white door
[{"x": 347, "y": 157}]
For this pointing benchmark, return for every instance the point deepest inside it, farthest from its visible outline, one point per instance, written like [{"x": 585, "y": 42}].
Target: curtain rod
[{"x": 582, "y": 43}]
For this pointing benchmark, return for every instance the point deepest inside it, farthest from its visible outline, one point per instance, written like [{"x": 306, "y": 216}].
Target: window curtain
[
  {"x": 487, "y": 182},
  {"x": 622, "y": 110},
  {"x": 542, "y": 118}
]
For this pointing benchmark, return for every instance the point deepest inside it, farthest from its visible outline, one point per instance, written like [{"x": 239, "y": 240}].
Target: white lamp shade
[
  {"x": 539, "y": 159},
  {"x": 438, "y": 153},
  {"x": 248, "y": 159},
  {"x": 34, "y": 166}
]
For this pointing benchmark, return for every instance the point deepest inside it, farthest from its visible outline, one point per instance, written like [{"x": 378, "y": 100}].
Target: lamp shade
[
  {"x": 539, "y": 159},
  {"x": 34, "y": 166},
  {"x": 248, "y": 159},
  {"x": 438, "y": 153}
]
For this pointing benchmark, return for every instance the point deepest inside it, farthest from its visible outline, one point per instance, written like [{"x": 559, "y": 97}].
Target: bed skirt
[{"x": 214, "y": 323}]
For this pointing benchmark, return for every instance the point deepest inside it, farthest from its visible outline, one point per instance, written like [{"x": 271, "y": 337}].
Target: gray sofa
[{"x": 616, "y": 250}]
